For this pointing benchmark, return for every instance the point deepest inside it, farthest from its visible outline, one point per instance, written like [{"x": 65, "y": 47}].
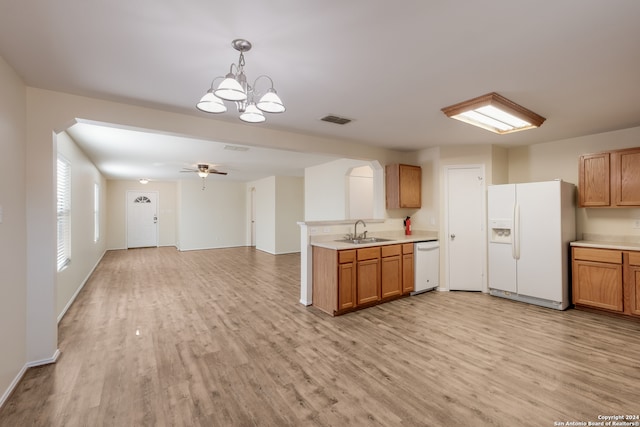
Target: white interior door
[
  {"x": 253, "y": 216},
  {"x": 142, "y": 219},
  {"x": 465, "y": 238}
]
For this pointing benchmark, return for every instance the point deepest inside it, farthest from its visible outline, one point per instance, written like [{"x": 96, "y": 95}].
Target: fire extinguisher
[{"x": 407, "y": 226}]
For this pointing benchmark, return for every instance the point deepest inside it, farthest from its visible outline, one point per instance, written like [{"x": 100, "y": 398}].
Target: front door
[
  {"x": 142, "y": 219},
  {"x": 465, "y": 236}
]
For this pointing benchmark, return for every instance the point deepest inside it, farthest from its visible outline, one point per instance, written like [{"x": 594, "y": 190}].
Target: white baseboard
[
  {"x": 75, "y": 294},
  {"x": 48, "y": 361},
  {"x": 18, "y": 377},
  {"x": 12, "y": 386}
]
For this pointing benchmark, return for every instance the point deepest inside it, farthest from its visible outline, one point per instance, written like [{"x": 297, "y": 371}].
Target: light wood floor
[{"x": 218, "y": 338}]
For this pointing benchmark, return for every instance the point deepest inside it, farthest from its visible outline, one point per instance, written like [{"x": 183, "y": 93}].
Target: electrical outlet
[
  {"x": 313, "y": 230},
  {"x": 635, "y": 223},
  {"x": 326, "y": 230}
]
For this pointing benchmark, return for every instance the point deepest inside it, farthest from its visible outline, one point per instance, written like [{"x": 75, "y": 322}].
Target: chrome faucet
[{"x": 355, "y": 229}]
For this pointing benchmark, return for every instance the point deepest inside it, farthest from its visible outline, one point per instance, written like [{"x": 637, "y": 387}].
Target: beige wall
[
  {"x": 85, "y": 252},
  {"x": 559, "y": 159},
  {"x": 117, "y": 213},
  {"x": 326, "y": 189},
  {"x": 289, "y": 211},
  {"x": 214, "y": 217},
  {"x": 13, "y": 229},
  {"x": 279, "y": 206},
  {"x": 427, "y": 217}
]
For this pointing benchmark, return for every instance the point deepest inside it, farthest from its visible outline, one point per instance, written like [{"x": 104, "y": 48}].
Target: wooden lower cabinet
[
  {"x": 598, "y": 284},
  {"x": 606, "y": 279},
  {"x": 368, "y": 275},
  {"x": 408, "y": 281},
  {"x": 633, "y": 279},
  {"x": 391, "y": 271},
  {"x": 346, "y": 280}
]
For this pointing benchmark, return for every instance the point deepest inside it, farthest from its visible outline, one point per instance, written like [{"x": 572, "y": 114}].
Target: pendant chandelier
[{"x": 234, "y": 88}]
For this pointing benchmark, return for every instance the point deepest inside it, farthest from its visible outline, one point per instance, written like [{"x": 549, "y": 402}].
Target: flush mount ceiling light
[
  {"x": 144, "y": 180},
  {"x": 234, "y": 88},
  {"x": 494, "y": 113}
]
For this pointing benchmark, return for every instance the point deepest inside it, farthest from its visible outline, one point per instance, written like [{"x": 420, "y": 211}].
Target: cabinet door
[
  {"x": 594, "y": 180},
  {"x": 634, "y": 283},
  {"x": 634, "y": 300},
  {"x": 626, "y": 177},
  {"x": 346, "y": 286},
  {"x": 368, "y": 279},
  {"x": 391, "y": 281},
  {"x": 403, "y": 186},
  {"x": 410, "y": 186},
  {"x": 407, "y": 273},
  {"x": 597, "y": 284}
]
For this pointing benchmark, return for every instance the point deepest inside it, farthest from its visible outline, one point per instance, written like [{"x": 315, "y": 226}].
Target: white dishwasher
[{"x": 426, "y": 261}]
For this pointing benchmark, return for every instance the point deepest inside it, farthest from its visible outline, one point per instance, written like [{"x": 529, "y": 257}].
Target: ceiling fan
[{"x": 203, "y": 170}]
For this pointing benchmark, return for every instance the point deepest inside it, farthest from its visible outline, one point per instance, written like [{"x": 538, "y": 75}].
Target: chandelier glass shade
[
  {"x": 211, "y": 103},
  {"x": 234, "y": 88}
]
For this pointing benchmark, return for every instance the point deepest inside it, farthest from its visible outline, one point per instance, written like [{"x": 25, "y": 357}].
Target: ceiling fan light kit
[
  {"x": 234, "y": 88},
  {"x": 494, "y": 113},
  {"x": 203, "y": 170}
]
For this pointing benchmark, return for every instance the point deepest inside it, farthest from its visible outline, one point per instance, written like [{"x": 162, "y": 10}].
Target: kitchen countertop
[
  {"x": 623, "y": 246},
  {"x": 329, "y": 242}
]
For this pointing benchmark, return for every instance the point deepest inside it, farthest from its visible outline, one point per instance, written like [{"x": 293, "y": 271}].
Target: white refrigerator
[{"x": 530, "y": 227}]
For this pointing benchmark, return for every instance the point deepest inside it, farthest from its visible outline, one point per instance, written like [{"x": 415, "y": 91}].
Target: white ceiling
[
  {"x": 390, "y": 66},
  {"x": 123, "y": 153}
]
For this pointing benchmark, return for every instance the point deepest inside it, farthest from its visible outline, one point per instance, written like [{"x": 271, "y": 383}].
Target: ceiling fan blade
[{"x": 217, "y": 172}]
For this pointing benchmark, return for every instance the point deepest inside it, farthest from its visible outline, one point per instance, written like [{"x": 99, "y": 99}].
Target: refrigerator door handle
[{"x": 515, "y": 246}]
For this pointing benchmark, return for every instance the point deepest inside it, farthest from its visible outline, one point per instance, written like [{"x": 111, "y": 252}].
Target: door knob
[{"x": 453, "y": 236}]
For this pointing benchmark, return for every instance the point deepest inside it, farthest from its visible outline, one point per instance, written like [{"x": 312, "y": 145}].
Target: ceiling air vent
[
  {"x": 236, "y": 148},
  {"x": 335, "y": 119}
]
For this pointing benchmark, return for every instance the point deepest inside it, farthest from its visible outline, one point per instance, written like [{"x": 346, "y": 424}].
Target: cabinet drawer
[
  {"x": 407, "y": 248},
  {"x": 368, "y": 253},
  {"x": 346, "y": 256},
  {"x": 634, "y": 258},
  {"x": 391, "y": 250},
  {"x": 598, "y": 255}
]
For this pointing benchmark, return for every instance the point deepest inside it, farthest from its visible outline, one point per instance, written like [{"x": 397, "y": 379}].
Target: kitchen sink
[{"x": 364, "y": 240}]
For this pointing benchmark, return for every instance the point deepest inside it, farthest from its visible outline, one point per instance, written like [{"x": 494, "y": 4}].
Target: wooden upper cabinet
[
  {"x": 594, "y": 176},
  {"x": 610, "y": 179},
  {"x": 403, "y": 186},
  {"x": 625, "y": 177}
]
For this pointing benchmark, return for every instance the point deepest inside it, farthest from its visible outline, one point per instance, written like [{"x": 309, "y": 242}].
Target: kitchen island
[{"x": 349, "y": 276}]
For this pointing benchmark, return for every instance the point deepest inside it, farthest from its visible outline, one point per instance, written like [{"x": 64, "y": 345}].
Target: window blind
[
  {"x": 63, "y": 208},
  {"x": 96, "y": 212}
]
